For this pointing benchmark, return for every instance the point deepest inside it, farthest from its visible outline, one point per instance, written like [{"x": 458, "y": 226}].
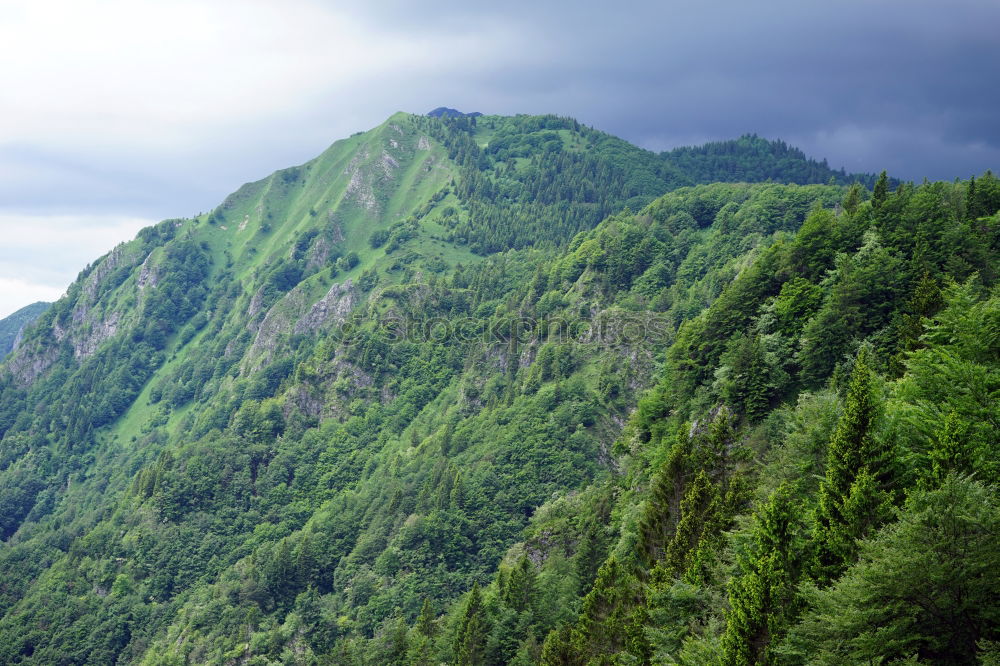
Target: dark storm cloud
[{"x": 908, "y": 86}]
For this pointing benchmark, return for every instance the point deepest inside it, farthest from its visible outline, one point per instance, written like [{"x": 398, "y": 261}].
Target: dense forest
[{"x": 509, "y": 390}]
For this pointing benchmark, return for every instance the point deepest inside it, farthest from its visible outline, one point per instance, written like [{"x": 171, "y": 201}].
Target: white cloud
[
  {"x": 42, "y": 254},
  {"x": 15, "y": 294},
  {"x": 140, "y": 74},
  {"x": 162, "y": 108}
]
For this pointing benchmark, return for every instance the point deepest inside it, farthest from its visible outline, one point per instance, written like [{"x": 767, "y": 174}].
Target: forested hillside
[
  {"x": 10, "y": 326},
  {"x": 488, "y": 390}
]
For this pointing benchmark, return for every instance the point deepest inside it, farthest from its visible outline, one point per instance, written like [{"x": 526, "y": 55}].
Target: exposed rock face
[
  {"x": 359, "y": 188},
  {"x": 256, "y": 302},
  {"x": 388, "y": 164},
  {"x": 318, "y": 254},
  {"x": 89, "y": 323},
  {"x": 278, "y": 320},
  {"x": 26, "y": 367},
  {"x": 99, "y": 332},
  {"x": 331, "y": 310},
  {"x": 148, "y": 275},
  {"x": 18, "y": 338},
  {"x": 292, "y": 314},
  {"x": 117, "y": 257},
  {"x": 367, "y": 173}
]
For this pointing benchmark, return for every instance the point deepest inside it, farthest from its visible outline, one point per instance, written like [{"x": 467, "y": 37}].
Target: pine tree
[
  {"x": 470, "y": 639},
  {"x": 557, "y": 650},
  {"x": 881, "y": 191},
  {"x": 855, "y": 494},
  {"x": 425, "y": 623},
  {"x": 762, "y": 600},
  {"x": 949, "y": 452},
  {"x": 612, "y": 618},
  {"x": 853, "y": 199}
]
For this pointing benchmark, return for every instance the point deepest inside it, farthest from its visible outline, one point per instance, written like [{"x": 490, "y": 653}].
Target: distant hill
[
  {"x": 445, "y": 112},
  {"x": 751, "y": 157},
  {"x": 12, "y": 325}
]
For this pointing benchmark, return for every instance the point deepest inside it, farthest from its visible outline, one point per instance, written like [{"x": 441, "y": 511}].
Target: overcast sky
[{"x": 117, "y": 113}]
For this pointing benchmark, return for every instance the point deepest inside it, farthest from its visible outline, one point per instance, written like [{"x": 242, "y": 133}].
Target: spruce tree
[
  {"x": 852, "y": 199},
  {"x": 700, "y": 522},
  {"x": 949, "y": 452},
  {"x": 612, "y": 619},
  {"x": 557, "y": 650},
  {"x": 881, "y": 191},
  {"x": 854, "y": 495},
  {"x": 590, "y": 553},
  {"x": 972, "y": 208},
  {"x": 421, "y": 651},
  {"x": 425, "y": 623},
  {"x": 762, "y": 600},
  {"x": 470, "y": 639},
  {"x": 518, "y": 590}
]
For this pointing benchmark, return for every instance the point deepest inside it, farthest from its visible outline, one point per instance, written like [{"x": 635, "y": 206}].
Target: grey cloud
[{"x": 894, "y": 84}]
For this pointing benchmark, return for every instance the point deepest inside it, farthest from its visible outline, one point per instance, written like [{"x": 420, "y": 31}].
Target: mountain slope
[
  {"x": 273, "y": 432},
  {"x": 11, "y": 325}
]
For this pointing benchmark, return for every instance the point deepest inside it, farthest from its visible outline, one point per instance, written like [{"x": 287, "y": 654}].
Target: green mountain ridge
[{"x": 512, "y": 355}]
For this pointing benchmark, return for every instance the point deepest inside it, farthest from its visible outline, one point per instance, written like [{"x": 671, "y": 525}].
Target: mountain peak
[{"x": 446, "y": 112}]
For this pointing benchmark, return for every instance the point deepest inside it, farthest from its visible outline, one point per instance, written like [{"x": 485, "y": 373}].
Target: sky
[{"x": 115, "y": 114}]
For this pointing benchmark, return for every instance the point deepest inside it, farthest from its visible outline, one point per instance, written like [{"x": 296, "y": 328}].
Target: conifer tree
[
  {"x": 949, "y": 452},
  {"x": 589, "y": 554},
  {"x": 557, "y": 650},
  {"x": 925, "y": 302},
  {"x": 656, "y": 523},
  {"x": 425, "y": 623},
  {"x": 519, "y": 589},
  {"x": 470, "y": 639},
  {"x": 421, "y": 650},
  {"x": 972, "y": 208},
  {"x": 613, "y": 616},
  {"x": 762, "y": 600},
  {"x": 855, "y": 494},
  {"x": 852, "y": 199},
  {"x": 881, "y": 191},
  {"x": 701, "y": 516}
]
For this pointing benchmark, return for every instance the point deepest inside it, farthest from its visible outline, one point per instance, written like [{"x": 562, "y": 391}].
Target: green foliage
[
  {"x": 611, "y": 618},
  {"x": 926, "y": 585},
  {"x": 542, "y": 179},
  {"x": 217, "y": 449},
  {"x": 948, "y": 399},
  {"x": 470, "y": 637},
  {"x": 762, "y": 598},
  {"x": 856, "y": 494}
]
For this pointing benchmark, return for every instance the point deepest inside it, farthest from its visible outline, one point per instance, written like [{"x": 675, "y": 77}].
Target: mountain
[
  {"x": 503, "y": 390},
  {"x": 444, "y": 111},
  {"x": 751, "y": 157},
  {"x": 11, "y": 325}
]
